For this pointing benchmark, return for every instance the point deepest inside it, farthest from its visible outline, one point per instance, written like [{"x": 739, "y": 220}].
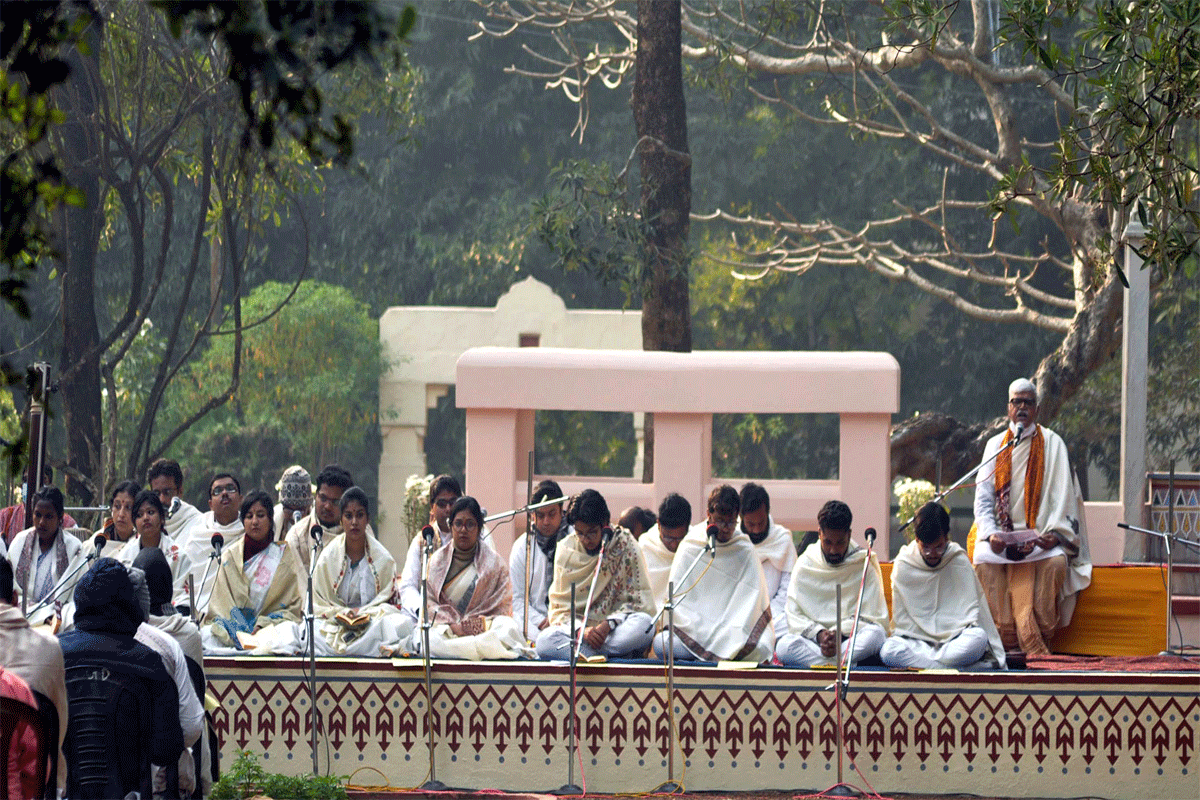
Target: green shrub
[{"x": 246, "y": 778}]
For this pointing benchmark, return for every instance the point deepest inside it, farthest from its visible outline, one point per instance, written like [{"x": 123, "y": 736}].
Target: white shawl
[
  {"x": 935, "y": 604},
  {"x": 724, "y": 613},
  {"x": 658, "y": 565},
  {"x": 812, "y": 593},
  {"x": 332, "y": 565}
]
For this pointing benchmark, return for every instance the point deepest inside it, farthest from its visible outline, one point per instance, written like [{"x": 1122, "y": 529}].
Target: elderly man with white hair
[{"x": 1028, "y": 553}]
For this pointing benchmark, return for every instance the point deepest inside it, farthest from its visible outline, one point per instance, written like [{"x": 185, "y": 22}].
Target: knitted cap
[{"x": 295, "y": 487}]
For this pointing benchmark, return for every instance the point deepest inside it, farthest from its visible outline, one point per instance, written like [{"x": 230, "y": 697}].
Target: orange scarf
[{"x": 1035, "y": 472}]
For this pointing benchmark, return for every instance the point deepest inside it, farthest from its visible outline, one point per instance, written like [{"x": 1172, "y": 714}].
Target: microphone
[
  {"x": 1020, "y": 432},
  {"x": 175, "y": 505},
  {"x": 606, "y": 536},
  {"x": 295, "y": 516},
  {"x": 101, "y": 540},
  {"x": 711, "y": 532},
  {"x": 427, "y": 535},
  {"x": 218, "y": 541},
  {"x": 316, "y": 533},
  {"x": 870, "y": 535}
]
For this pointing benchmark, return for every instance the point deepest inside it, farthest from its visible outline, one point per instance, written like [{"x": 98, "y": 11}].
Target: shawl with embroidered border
[
  {"x": 723, "y": 612},
  {"x": 622, "y": 586}
]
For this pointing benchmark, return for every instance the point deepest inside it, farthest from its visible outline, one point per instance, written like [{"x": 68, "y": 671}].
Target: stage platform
[{"x": 503, "y": 725}]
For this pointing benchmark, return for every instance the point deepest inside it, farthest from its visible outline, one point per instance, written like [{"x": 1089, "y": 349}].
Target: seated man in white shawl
[
  {"x": 325, "y": 514},
  {"x": 42, "y": 556},
  {"x": 617, "y": 624},
  {"x": 224, "y": 500},
  {"x": 812, "y": 608},
  {"x": 722, "y": 610},
  {"x": 352, "y": 586},
  {"x": 775, "y": 547},
  {"x": 661, "y": 541},
  {"x": 470, "y": 595},
  {"x": 549, "y": 528},
  {"x": 939, "y": 613},
  {"x": 256, "y": 597},
  {"x": 1025, "y": 492}
]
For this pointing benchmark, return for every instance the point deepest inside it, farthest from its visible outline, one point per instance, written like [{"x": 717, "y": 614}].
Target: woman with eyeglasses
[
  {"x": 470, "y": 594},
  {"x": 256, "y": 599},
  {"x": 352, "y": 586}
]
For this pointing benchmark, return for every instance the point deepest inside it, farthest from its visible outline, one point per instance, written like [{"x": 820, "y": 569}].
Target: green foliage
[
  {"x": 1133, "y": 69},
  {"x": 309, "y": 391},
  {"x": 278, "y": 52},
  {"x": 1091, "y": 421},
  {"x": 246, "y": 778}
]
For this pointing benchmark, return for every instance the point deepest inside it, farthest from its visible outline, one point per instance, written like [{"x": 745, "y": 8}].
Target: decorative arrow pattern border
[{"x": 736, "y": 730}]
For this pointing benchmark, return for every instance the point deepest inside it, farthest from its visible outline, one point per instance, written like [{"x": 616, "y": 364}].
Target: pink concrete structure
[{"x": 501, "y": 387}]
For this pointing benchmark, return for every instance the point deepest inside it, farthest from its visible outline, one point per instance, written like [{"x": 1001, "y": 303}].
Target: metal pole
[
  {"x": 433, "y": 784},
  {"x": 570, "y": 787},
  {"x": 1167, "y": 542},
  {"x": 528, "y": 548},
  {"x": 310, "y": 621},
  {"x": 671, "y": 787}
]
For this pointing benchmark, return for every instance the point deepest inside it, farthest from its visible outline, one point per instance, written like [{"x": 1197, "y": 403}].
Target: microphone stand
[
  {"x": 842, "y": 677},
  {"x": 529, "y": 550},
  {"x": 310, "y": 625},
  {"x": 1167, "y": 539},
  {"x": 712, "y": 551},
  {"x": 587, "y": 608},
  {"x": 433, "y": 784},
  {"x": 671, "y": 786},
  {"x": 1012, "y": 444},
  {"x": 523, "y": 509},
  {"x": 212, "y": 558},
  {"x": 569, "y": 788}
]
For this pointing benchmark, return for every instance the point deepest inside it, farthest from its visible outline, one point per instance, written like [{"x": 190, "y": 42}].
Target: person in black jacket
[{"x": 107, "y": 615}]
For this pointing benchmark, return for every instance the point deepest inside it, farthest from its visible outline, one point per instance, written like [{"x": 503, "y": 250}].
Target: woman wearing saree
[
  {"x": 352, "y": 584},
  {"x": 470, "y": 594},
  {"x": 256, "y": 600}
]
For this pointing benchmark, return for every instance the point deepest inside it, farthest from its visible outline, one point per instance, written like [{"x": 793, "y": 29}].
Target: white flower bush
[{"x": 416, "y": 503}]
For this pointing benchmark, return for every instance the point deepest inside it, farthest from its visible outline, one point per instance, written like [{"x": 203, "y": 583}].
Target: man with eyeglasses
[
  {"x": 325, "y": 512},
  {"x": 722, "y": 610},
  {"x": 939, "y": 612},
  {"x": 549, "y": 528},
  {"x": 224, "y": 500},
  {"x": 1028, "y": 552}
]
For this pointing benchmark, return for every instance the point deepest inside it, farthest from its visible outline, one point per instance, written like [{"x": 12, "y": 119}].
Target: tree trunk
[
  {"x": 78, "y": 245},
  {"x": 1094, "y": 336},
  {"x": 660, "y": 115}
]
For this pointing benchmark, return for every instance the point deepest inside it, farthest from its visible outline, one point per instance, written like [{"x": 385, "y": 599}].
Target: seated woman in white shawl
[
  {"x": 470, "y": 594},
  {"x": 352, "y": 584},
  {"x": 256, "y": 601},
  {"x": 44, "y": 555}
]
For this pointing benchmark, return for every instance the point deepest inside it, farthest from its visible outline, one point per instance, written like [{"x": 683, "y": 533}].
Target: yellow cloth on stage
[{"x": 1122, "y": 613}]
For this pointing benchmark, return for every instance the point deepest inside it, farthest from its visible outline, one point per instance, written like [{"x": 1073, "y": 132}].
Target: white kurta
[
  {"x": 1058, "y": 510},
  {"x": 370, "y": 582},
  {"x": 724, "y": 612},
  {"x": 936, "y": 604},
  {"x": 540, "y": 573},
  {"x": 778, "y": 555}
]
